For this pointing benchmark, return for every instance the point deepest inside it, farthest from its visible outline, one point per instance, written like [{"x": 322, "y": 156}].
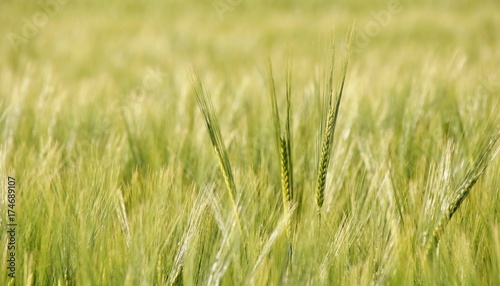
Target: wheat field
[{"x": 205, "y": 142}]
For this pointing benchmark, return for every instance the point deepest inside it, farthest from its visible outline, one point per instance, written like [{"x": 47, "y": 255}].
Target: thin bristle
[
  {"x": 288, "y": 132},
  {"x": 274, "y": 106},
  {"x": 330, "y": 78}
]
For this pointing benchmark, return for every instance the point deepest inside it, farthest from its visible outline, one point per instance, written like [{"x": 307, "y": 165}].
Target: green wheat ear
[
  {"x": 283, "y": 139},
  {"x": 331, "y": 121},
  {"x": 284, "y": 146},
  {"x": 486, "y": 157},
  {"x": 206, "y": 107}
]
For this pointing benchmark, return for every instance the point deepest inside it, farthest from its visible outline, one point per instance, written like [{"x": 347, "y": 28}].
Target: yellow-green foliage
[{"x": 117, "y": 181}]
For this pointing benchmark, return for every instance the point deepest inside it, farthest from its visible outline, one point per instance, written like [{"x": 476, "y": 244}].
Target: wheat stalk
[
  {"x": 283, "y": 144},
  {"x": 329, "y": 131},
  {"x": 212, "y": 124},
  {"x": 463, "y": 190},
  {"x": 283, "y": 140}
]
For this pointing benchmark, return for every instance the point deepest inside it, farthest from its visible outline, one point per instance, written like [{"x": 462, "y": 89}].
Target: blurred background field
[
  {"x": 84, "y": 39},
  {"x": 118, "y": 183}
]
